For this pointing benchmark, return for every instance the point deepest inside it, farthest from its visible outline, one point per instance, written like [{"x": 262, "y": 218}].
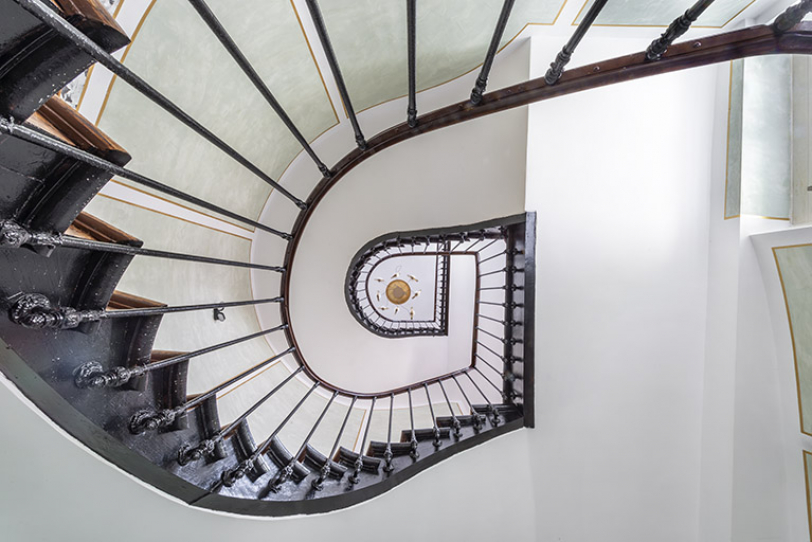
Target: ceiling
[{"x": 175, "y": 52}]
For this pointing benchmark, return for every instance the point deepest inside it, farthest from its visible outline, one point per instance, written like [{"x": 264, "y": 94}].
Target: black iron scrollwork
[{"x": 35, "y": 311}]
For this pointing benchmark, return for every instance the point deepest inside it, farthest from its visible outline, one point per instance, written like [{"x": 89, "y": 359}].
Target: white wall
[
  {"x": 620, "y": 178},
  {"x": 53, "y": 490},
  {"x": 482, "y": 494},
  {"x": 651, "y": 365}
]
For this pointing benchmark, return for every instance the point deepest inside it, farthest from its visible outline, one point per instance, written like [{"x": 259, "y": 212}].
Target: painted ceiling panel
[
  {"x": 662, "y": 12},
  {"x": 177, "y": 53},
  {"x": 759, "y": 169},
  {"x": 795, "y": 268},
  {"x": 369, "y": 37},
  {"x": 178, "y": 283}
]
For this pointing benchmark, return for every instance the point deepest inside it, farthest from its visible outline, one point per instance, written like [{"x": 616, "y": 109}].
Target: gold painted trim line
[
  {"x": 182, "y": 206},
  {"x": 90, "y": 69},
  {"x": 360, "y": 428},
  {"x": 118, "y": 9},
  {"x": 727, "y": 141},
  {"x": 575, "y": 21},
  {"x": 757, "y": 216},
  {"x": 808, "y": 495},
  {"x": 244, "y": 382},
  {"x": 478, "y": 66},
  {"x": 792, "y": 333},
  {"x": 249, "y": 231},
  {"x": 560, "y": 11},
  {"x": 249, "y": 239},
  {"x": 316, "y": 64},
  {"x": 123, "y": 57}
]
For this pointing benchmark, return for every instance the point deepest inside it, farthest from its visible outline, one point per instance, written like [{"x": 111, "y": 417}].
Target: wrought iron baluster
[
  {"x": 359, "y": 462},
  {"x": 413, "y": 441},
  {"x": 151, "y": 420},
  {"x": 476, "y": 418},
  {"x": 229, "y": 477},
  {"x": 220, "y": 32},
  {"x": 680, "y": 26},
  {"x": 67, "y": 31},
  {"x": 318, "y": 483},
  {"x": 92, "y": 375},
  {"x": 388, "y": 455},
  {"x": 486, "y": 247},
  {"x": 324, "y": 38},
  {"x": 503, "y": 270},
  {"x": 557, "y": 67},
  {"x": 206, "y": 447},
  {"x": 486, "y": 317},
  {"x": 486, "y": 347},
  {"x": 483, "y": 360},
  {"x": 503, "y": 340},
  {"x": 435, "y": 431},
  {"x": 792, "y": 16},
  {"x": 509, "y": 288},
  {"x": 455, "y": 423},
  {"x": 491, "y": 409},
  {"x": 411, "y": 32},
  {"x": 481, "y": 238},
  {"x": 492, "y": 257},
  {"x": 463, "y": 239},
  {"x": 497, "y": 388},
  {"x": 23, "y": 133},
  {"x": 283, "y": 475},
  {"x": 508, "y": 305},
  {"x": 499, "y": 31},
  {"x": 37, "y": 311}
]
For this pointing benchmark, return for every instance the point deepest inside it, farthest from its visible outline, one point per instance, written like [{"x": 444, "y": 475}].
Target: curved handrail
[{"x": 753, "y": 41}]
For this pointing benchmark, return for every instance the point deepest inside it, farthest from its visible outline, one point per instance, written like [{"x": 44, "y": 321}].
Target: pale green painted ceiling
[
  {"x": 177, "y": 53},
  {"x": 662, "y": 12},
  {"x": 369, "y": 37},
  {"x": 795, "y": 267},
  {"x": 177, "y": 282},
  {"x": 759, "y": 154}
]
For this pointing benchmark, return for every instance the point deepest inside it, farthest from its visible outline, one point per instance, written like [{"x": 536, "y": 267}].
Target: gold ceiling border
[
  {"x": 316, "y": 64},
  {"x": 90, "y": 70},
  {"x": 575, "y": 21},
  {"x": 792, "y": 332},
  {"x": 262, "y": 372},
  {"x": 123, "y": 57},
  {"x": 808, "y": 495},
  {"x": 313, "y": 58},
  {"x": 249, "y": 239},
  {"x": 478, "y": 66}
]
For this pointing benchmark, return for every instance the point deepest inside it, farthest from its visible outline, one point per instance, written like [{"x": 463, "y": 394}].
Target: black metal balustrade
[
  {"x": 367, "y": 308},
  {"x": 222, "y": 467}
]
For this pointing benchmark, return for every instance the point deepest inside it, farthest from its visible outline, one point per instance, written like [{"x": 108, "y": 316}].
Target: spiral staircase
[{"x": 83, "y": 351}]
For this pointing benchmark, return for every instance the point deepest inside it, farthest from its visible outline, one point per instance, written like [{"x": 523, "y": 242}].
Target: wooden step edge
[
  {"x": 87, "y": 226},
  {"x": 315, "y": 459},
  {"x": 160, "y": 355},
  {"x": 123, "y": 300},
  {"x": 61, "y": 120},
  {"x": 88, "y": 9},
  {"x": 281, "y": 456}
]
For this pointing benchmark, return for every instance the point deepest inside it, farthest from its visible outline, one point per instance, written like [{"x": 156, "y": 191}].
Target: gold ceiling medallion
[{"x": 398, "y": 292}]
